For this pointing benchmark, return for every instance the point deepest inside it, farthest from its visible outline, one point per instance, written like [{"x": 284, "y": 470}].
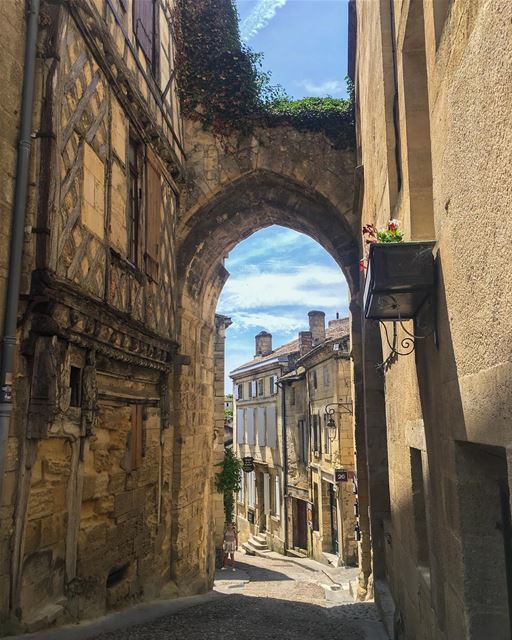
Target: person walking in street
[{"x": 229, "y": 545}]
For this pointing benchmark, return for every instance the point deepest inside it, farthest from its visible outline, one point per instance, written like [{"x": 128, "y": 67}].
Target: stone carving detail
[
  {"x": 44, "y": 400},
  {"x": 89, "y": 395}
]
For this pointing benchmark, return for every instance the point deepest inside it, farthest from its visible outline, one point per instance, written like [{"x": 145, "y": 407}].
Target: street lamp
[{"x": 330, "y": 410}]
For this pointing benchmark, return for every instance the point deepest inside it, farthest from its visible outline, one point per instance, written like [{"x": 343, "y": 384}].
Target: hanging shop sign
[
  {"x": 248, "y": 464},
  {"x": 341, "y": 475}
]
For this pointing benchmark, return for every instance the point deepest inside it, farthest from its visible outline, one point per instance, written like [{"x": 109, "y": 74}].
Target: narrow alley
[{"x": 264, "y": 597}]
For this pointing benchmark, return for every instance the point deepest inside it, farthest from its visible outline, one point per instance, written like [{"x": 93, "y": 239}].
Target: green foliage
[
  {"x": 391, "y": 233},
  {"x": 227, "y": 481},
  {"x": 228, "y": 414},
  {"x": 217, "y": 75},
  {"x": 222, "y": 83},
  {"x": 332, "y": 116}
]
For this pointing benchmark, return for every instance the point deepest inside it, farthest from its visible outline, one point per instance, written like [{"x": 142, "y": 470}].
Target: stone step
[
  {"x": 248, "y": 549},
  {"x": 261, "y": 537},
  {"x": 297, "y": 553},
  {"x": 256, "y": 544}
]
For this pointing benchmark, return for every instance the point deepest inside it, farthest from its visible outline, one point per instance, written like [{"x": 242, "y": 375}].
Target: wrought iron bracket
[
  {"x": 425, "y": 325},
  {"x": 345, "y": 407}
]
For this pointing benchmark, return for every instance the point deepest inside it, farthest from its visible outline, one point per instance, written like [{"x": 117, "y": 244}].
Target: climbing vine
[
  {"x": 227, "y": 481},
  {"x": 222, "y": 83}
]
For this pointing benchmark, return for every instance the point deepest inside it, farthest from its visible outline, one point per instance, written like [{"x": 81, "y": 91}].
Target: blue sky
[
  {"x": 304, "y": 43},
  {"x": 278, "y": 275}
]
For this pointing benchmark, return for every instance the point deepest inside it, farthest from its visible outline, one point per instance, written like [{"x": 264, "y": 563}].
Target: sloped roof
[{"x": 335, "y": 329}]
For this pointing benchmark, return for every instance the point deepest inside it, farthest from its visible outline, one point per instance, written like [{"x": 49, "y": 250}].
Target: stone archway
[{"x": 238, "y": 186}]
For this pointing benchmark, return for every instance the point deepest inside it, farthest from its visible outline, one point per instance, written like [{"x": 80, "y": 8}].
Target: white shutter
[
  {"x": 250, "y": 489},
  {"x": 240, "y": 430},
  {"x": 250, "y": 427},
  {"x": 278, "y": 497},
  {"x": 260, "y": 422},
  {"x": 271, "y": 427},
  {"x": 235, "y": 392},
  {"x": 266, "y": 493}
]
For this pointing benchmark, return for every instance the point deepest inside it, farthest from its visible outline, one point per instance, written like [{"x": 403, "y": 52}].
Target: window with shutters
[
  {"x": 153, "y": 217},
  {"x": 326, "y": 376},
  {"x": 260, "y": 387},
  {"x": 239, "y": 391},
  {"x": 273, "y": 385},
  {"x": 260, "y": 425},
  {"x": 134, "y": 196},
  {"x": 144, "y": 27},
  {"x": 271, "y": 423},
  {"x": 251, "y": 439},
  {"x": 136, "y": 440}
]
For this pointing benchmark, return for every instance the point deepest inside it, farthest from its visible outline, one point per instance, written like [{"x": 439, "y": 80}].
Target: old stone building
[
  {"x": 108, "y": 408},
  {"x": 433, "y": 86},
  {"x": 259, "y": 435},
  {"x": 123, "y": 212},
  {"x": 292, "y": 502},
  {"x": 87, "y": 510},
  {"x": 320, "y": 454}
]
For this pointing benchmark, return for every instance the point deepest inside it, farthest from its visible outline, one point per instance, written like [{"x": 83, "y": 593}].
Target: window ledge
[{"x": 275, "y": 518}]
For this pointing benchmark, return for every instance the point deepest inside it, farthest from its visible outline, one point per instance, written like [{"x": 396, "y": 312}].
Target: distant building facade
[
  {"x": 282, "y": 398},
  {"x": 320, "y": 450},
  {"x": 258, "y": 428}
]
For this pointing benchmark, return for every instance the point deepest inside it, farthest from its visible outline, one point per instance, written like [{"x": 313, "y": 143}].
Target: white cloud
[
  {"x": 259, "y": 17},
  {"x": 270, "y": 321},
  {"x": 308, "y": 285},
  {"x": 286, "y": 239},
  {"x": 326, "y": 88}
]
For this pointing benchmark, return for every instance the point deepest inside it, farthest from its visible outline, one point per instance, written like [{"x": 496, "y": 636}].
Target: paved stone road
[{"x": 266, "y": 599}]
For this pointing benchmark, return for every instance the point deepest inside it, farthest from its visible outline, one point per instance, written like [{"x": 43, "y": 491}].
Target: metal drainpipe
[{"x": 18, "y": 224}]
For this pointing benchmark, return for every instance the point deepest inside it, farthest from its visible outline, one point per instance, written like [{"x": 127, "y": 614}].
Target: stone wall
[
  {"x": 86, "y": 507},
  {"x": 444, "y": 171}
]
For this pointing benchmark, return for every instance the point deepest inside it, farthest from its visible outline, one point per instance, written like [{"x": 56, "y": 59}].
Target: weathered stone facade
[
  {"x": 433, "y": 90},
  {"x": 319, "y": 388},
  {"x": 283, "y": 400},
  {"x": 108, "y": 494},
  {"x": 87, "y": 493},
  {"x": 258, "y": 434}
]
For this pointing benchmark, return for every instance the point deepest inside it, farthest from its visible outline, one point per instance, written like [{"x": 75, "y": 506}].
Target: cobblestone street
[{"x": 265, "y": 598}]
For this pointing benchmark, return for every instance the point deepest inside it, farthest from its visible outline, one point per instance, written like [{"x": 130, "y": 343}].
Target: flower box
[{"x": 400, "y": 277}]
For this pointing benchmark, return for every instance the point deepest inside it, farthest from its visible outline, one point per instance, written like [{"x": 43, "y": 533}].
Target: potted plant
[{"x": 399, "y": 275}]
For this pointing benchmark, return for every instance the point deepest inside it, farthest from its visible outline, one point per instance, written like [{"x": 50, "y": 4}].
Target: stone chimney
[
  {"x": 305, "y": 342},
  {"x": 317, "y": 326},
  {"x": 263, "y": 343}
]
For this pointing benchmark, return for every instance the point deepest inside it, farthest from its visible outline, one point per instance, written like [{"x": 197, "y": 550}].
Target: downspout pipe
[{"x": 8, "y": 348}]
